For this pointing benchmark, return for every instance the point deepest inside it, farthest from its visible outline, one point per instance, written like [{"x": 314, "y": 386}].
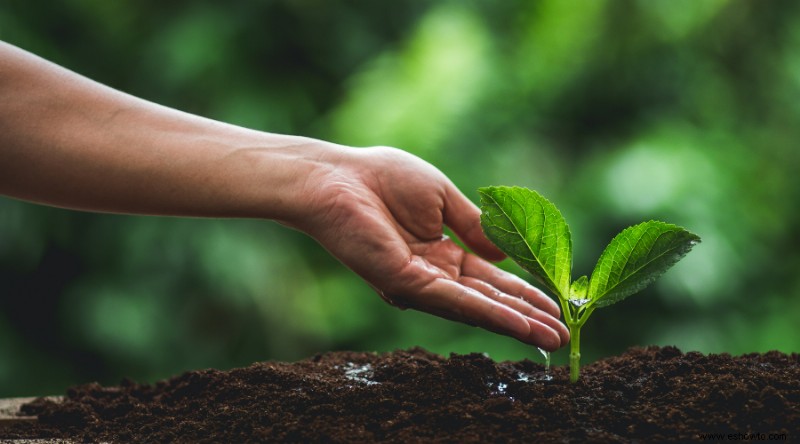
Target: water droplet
[
  {"x": 546, "y": 355},
  {"x": 579, "y": 302},
  {"x": 501, "y": 388},
  {"x": 497, "y": 388},
  {"x": 359, "y": 373}
]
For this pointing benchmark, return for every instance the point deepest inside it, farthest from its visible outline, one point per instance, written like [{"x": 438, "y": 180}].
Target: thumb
[{"x": 464, "y": 218}]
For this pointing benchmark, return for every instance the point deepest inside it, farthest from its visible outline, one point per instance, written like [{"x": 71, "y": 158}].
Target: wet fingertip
[
  {"x": 555, "y": 342},
  {"x": 565, "y": 337},
  {"x": 562, "y": 333},
  {"x": 552, "y": 307},
  {"x": 549, "y": 345},
  {"x": 553, "y": 310},
  {"x": 543, "y": 336}
]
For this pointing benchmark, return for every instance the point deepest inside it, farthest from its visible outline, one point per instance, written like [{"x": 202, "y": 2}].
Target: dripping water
[{"x": 546, "y": 355}]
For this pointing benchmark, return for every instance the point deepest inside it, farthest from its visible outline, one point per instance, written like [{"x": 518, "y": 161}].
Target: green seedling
[{"x": 532, "y": 232}]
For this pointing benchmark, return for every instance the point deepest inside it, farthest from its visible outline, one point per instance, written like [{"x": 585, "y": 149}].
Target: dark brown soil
[{"x": 647, "y": 394}]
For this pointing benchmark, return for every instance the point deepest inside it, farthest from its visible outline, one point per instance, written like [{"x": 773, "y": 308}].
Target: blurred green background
[{"x": 619, "y": 111}]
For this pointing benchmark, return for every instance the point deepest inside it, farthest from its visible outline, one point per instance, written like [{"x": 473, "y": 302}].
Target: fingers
[
  {"x": 452, "y": 300},
  {"x": 508, "y": 283},
  {"x": 541, "y": 323},
  {"x": 464, "y": 218}
]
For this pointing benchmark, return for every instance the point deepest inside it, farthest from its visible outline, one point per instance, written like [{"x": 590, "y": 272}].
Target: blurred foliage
[{"x": 618, "y": 111}]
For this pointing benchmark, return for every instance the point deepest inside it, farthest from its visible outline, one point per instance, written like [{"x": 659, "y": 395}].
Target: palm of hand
[{"x": 384, "y": 220}]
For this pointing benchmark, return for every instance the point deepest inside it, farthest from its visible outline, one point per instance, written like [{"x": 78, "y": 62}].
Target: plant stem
[{"x": 574, "y": 353}]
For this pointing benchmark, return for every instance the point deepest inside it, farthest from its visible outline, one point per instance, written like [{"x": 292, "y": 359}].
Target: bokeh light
[{"x": 618, "y": 111}]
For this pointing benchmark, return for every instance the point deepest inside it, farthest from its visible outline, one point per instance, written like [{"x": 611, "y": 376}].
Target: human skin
[{"x": 70, "y": 142}]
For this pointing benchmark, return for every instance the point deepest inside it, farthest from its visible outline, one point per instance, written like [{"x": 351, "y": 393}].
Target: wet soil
[{"x": 645, "y": 395}]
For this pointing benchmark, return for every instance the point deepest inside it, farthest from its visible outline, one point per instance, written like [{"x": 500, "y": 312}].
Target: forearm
[{"x": 71, "y": 142}]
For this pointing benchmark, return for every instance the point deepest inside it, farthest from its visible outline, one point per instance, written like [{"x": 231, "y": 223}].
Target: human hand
[{"x": 381, "y": 211}]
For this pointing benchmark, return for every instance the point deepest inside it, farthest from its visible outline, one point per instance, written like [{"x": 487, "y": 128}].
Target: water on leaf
[{"x": 579, "y": 302}]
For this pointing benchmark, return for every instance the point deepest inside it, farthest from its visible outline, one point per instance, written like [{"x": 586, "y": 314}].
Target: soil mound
[{"x": 647, "y": 394}]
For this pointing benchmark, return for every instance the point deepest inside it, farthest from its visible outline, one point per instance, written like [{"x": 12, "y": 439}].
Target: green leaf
[
  {"x": 578, "y": 288},
  {"x": 531, "y": 231},
  {"x": 635, "y": 258}
]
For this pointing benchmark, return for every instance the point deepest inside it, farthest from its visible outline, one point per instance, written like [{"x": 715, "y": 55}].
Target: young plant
[{"x": 532, "y": 232}]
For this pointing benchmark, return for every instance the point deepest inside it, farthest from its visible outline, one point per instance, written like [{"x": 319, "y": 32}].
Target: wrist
[{"x": 277, "y": 178}]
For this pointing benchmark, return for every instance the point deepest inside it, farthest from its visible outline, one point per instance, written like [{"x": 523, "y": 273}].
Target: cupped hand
[{"x": 381, "y": 211}]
